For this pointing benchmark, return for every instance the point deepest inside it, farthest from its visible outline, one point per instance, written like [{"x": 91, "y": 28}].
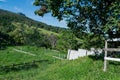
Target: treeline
[{"x": 22, "y": 34}]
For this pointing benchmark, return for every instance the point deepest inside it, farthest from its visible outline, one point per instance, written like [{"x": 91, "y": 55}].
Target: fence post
[
  {"x": 105, "y": 61},
  {"x": 68, "y": 55}
]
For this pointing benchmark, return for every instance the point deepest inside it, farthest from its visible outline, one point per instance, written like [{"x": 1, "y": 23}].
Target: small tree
[
  {"x": 52, "y": 39},
  {"x": 67, "y": 40}
]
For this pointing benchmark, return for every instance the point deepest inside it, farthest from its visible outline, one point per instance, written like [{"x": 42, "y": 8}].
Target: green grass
[
  {"x": 81, "y": 69},
  {"x": 48, "y": 32},
  {"x": 86, "y": 68},
  {"x": 9, "y": 55}
]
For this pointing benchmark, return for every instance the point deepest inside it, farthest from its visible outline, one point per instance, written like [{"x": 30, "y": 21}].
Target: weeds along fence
[{"x": 20, "y": 66}]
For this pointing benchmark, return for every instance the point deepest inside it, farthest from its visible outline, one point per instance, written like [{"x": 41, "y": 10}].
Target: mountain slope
[
  {"x": 22, "y": 30},
  {"x": 7, "y": 17}
]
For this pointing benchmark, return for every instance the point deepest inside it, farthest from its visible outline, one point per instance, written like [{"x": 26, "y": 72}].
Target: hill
[
  {"x": 17, "y": 29},
  {"x": 7, "y": 17}
]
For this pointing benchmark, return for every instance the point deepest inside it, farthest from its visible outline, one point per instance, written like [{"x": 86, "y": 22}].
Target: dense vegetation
[
  {"x": 92, "y": 21},
  {"x": 17, "y": 29}
]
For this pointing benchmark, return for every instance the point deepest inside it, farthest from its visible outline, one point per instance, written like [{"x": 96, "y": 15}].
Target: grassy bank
[{"x": 86, "y": 68}]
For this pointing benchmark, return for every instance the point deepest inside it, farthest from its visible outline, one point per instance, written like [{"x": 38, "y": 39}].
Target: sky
[{"x": 27, "y": 8}]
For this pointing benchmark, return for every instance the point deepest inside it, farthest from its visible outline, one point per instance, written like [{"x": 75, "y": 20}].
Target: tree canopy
[{"x": 85, "y": 16}]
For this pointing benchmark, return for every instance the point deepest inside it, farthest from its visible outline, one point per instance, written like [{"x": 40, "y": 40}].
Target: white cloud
[
  {"x": 63, "y": 23},
  {"x": 32, "y": 2},
  {"x": 17, "y": 9},
  {"x": 2, "y": 0}
]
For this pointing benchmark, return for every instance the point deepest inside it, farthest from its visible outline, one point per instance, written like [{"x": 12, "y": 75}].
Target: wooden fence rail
[{"x": 106, "y": 49}]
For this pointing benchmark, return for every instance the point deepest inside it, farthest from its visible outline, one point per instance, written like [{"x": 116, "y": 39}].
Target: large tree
[{"x": 89, "y": 16}]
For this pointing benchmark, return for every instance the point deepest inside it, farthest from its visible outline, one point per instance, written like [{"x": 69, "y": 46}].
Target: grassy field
[
  {"x": 47, "y": 67},
  {"x": 9, "y": 55}
]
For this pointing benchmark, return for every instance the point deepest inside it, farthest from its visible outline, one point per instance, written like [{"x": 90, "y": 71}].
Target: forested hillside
[
  {"x": 7, "y": 17},
  {"x": 17, "y": 29}
]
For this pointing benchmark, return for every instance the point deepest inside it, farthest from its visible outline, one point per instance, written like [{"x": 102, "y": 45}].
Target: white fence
[{"x": 74, "y": 54}]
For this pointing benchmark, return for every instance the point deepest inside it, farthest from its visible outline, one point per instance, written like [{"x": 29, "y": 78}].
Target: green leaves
[
  {"x": 113, "y": 24},
  {"x": 36, "y": 3},
  {"x": 97, "y": 13},
  {"x": 67, "y": 40}
]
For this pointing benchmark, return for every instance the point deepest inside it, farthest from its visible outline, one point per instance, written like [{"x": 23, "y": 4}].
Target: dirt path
[
  {"x": 58, "y": 58},
  {"x": 24, "y": 52}
]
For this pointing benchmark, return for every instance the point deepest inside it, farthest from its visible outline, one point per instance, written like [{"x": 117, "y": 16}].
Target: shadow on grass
[
  {"x": 101, "y": 57},
  {"x": 3, "y": 47},
  {"x": 114, "y": 63},
  {"x": 21, "y": 66},
  {"x": 6, "y": 40},
  {"x": 97, "y": 57}
]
